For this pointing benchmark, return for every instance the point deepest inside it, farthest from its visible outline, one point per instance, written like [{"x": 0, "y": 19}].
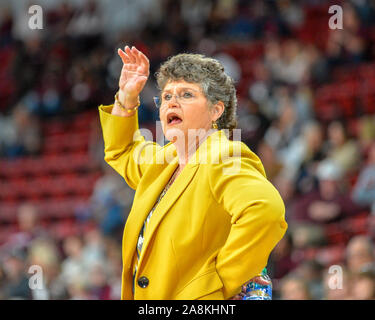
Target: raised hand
[{"x": 134, "y": 74}]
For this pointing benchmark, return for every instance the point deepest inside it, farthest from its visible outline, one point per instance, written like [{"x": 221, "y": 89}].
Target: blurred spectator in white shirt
[
  {"x": 20, "y": 133},
  {"x": 342, "y": 150}
]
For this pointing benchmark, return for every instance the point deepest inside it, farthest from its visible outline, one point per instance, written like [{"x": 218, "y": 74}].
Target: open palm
[{"x": 134, "y": 73}]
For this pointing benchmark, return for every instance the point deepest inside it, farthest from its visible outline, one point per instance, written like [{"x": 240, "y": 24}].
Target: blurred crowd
[
  {"x": 324, "y": 169},
  {"x": 80, "y": 266}
]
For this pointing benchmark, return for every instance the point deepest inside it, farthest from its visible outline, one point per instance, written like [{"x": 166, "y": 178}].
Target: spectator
[
  {"x": 294, "y": 288},
  {"x": 360, "y": 254},
  {"x": 73, "y": 266},
  {"x": 195, "y": 12},
  {"x": 45, "y": 253},
  {"x": 307, "y": 235},
  {"x": 364, "y": 285},
  {"x": 346, "y": 45},
  {"x": 328, "y": 203},
  {"x": 260, "y": 88},
  {"x": 77, "y": 289},
  {"x": 319, "y": 70},
  {"x": 291, "y": 12},
  {"x": 113, "y": 254},
  {"x": 311, "y": 272},
  {"x": 285, "y": 128},
  {"x": 16, "y": 284},
  {"x": 96, "y": 145},
  {"x": 366, "y": 134},
  {"x": 20, "y": 133},
  {"x": 281, "y": 262},
  {"x": 2, "y": 281},
  {"x": 94, "y": 248},
  {"x": 364, "y": 189},
  {"x": 86, "y": 24},
  {"x": 344, "y": 152},
  {"x": 29, "y": 228},
  {"x": 289, "y": 64},
  {"x": 231, "y": 66},
  {"x": 98, "y": 287},
  {"x": 305, "y": 176},
  {"x": 270, "y": 162},
  {"x": 252, "y": 122},
  {"x": 302, "y": 150},
  {"x": 111, "y": 201}
]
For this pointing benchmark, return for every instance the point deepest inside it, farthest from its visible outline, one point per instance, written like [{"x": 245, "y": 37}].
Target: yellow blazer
[{"x": 215, "y": 227}]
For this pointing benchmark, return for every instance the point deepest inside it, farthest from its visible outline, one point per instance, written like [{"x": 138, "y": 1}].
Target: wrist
[
  {"x": 127, "y": 100},
  {"x": 129, "y": 105}
]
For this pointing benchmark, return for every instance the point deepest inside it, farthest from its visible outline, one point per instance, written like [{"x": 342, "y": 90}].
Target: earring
[{"x": 214, "y": 125}]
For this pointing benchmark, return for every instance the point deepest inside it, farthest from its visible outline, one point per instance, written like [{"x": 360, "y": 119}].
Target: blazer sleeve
[
  {"x": 125, "y": 149},
  {"x": 257, "y": 217}
]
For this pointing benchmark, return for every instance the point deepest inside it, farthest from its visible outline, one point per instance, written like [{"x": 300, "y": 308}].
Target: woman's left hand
[{"x": 257, "y": 279}]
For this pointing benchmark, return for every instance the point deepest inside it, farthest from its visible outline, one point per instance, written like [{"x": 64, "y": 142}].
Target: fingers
[
  {"x": 130, "y": 54},
  {"x": 261, "y": 281},
  {"x": 258, "y": 280},
  {"x": 239, "y": 296},
  {"x": 125, "y": 59},
  {"x": 133, "y": 55},
  {"x": 142, "y": 58}
]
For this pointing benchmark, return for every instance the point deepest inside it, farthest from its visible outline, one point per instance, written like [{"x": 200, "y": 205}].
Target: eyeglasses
[{"x": 184, "y": 97}]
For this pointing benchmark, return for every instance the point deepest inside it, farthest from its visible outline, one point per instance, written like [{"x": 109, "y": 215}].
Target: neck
[{"x": 185, "y": 149}]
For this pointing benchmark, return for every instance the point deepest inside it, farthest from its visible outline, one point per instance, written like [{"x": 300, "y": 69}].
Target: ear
[{"x": 217, "y": 110}]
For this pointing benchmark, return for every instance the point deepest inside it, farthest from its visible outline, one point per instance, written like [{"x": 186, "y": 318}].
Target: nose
[{"x": 174, "y": 101}]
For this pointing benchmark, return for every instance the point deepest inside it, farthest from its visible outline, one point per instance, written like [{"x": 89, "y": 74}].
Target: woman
[{"x": 204, "y": 218}]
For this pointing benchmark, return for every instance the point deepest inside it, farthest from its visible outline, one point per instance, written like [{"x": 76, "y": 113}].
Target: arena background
[{"x": 306, "y": 107}]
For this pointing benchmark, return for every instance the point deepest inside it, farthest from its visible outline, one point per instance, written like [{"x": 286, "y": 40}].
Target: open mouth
[{"x": 173, "y": 118}]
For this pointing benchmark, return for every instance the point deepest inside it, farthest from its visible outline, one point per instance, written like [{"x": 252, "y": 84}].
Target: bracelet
[{"x": 128, "y": 110}]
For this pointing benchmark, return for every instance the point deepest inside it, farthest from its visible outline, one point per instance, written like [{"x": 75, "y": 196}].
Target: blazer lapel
[
  {"x": 174, "y": 192},
  {"x": 142, "y": 207}
]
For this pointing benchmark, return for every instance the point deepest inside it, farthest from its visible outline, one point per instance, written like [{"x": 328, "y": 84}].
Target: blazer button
[{"x": 143, "y": 282}]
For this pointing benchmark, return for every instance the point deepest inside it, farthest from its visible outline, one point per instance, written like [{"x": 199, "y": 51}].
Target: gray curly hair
[{"x": 209, "y": 74}]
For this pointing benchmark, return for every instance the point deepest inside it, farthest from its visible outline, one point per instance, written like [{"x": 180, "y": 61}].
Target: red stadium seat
[
  {"x": 335, "y": 234},
  {"x": 358, "y": 224},
  {"x": 8, "y": 212}
]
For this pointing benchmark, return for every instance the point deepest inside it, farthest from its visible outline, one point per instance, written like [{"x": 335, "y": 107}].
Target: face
[
  {"x": 336, "y": 133},
  {"x": 183, "y": 107},
  {"x": 13, "y": 267},
  {"x": 314, "y": 137},
  {"x": 364, "y": 288},
  {"x": 294, "y": 290},
  {"x": 72, "y": 246},
  {"x": 358, "y": 256},
  {"x": 328, "y": 188},
  {"x": 27, "y": 218}
]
